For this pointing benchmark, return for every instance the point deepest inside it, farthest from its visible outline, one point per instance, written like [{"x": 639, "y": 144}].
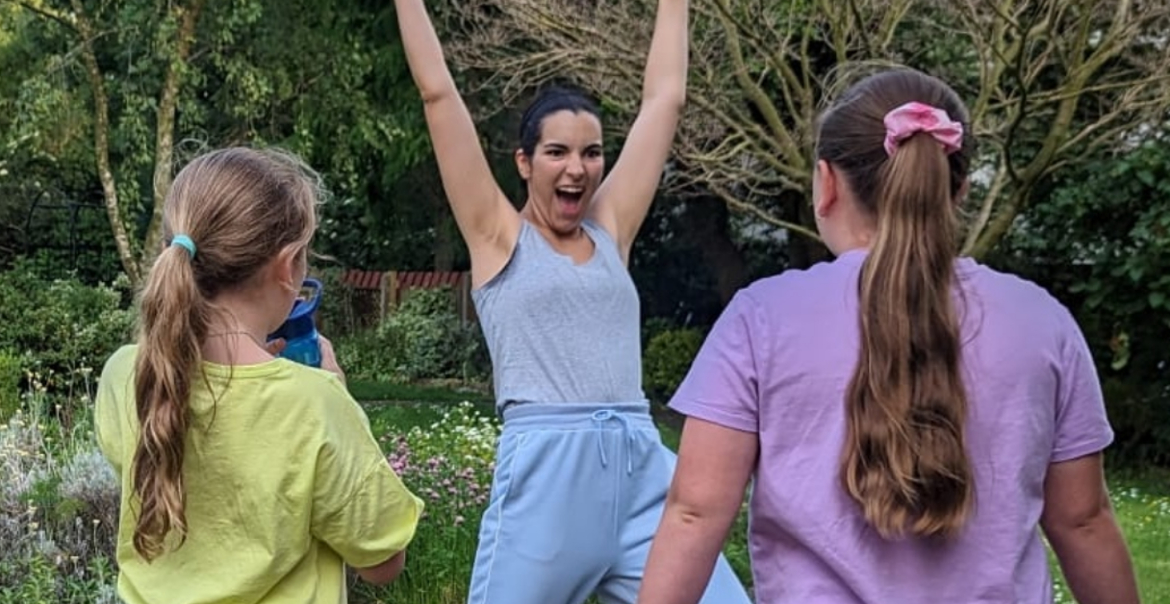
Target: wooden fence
[{"x": 392, "y": 287}]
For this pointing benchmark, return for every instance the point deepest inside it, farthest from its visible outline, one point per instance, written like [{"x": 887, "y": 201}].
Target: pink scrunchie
[{"x": 911, "y": 118}]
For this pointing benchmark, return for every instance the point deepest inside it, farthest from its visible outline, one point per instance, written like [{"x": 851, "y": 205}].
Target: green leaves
[
  {"x": 1157, "y": 300},
  {"x": 324, "y": 79}
]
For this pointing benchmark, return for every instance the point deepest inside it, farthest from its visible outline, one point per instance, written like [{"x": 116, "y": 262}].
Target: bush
[
  {"x": 1101, "y": 243},
  {"x": 667, "y": 359},
  {"x": 58, "y": 513},
  {"x": 344, "y": 310},
  {"x": 653, "y": 326},
  {"x": 1140, "y": 414},
  {"x": 9, "y": 385},
  {"x": 371, "y": 354},
  {"x": 423, "y": 340},
  {"x": 61, "y": 329}
]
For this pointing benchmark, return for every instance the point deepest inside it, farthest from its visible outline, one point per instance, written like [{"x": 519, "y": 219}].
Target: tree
[
  {"x": 172, "y": 34},
  {"x": 1060, "y": 81},
  {"x": 1048, "y": 81},
  {"x": 131, "y": 90}
]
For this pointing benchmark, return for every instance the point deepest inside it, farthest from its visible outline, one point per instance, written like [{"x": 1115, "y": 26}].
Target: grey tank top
[{"x": 558, "y": 332}]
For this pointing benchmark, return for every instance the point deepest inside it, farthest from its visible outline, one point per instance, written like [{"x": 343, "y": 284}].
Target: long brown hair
[
  {"x": 905, "y": 459},
  {"x": 240, "y": 207}
]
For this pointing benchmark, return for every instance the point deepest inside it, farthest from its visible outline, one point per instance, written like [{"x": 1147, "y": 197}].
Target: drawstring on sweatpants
[{"x": 600, "y": 417}]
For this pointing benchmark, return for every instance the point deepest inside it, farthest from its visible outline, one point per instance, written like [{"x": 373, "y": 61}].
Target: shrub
[
  {"x": 653, "y": 326},
  {"x": 1140, "y": 415},
  {"x": 58, "y": 513},
  {"x": 371, "y": 354},
  {"x": 344, "y": 310},
  {"x": 667, "y": 359},
  {"x": 61, "y": 330},
  {"x": 423, "y": 340},
  {"x": 1100, "y": 243},
  {"x": 62, "y": 324},
  {"x": 9, "y": 384},
  {"x": 436, "y": 344}
]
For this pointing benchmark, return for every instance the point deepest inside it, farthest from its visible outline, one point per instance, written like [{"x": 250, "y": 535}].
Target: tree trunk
[
  {"x": 165, "y": 128},
  {"x": 444, "y": 246},
  {"x": 101, "y": 142},
  {"x": 708, "y": 227},
  {"x": 1000, "y": 223},
  {"x": 803, "y": 252}
]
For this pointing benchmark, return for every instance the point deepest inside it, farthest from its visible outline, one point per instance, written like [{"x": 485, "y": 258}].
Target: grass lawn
[
  {"x": 370, "y": 391},
  {"x": 1141, "y": 498}
]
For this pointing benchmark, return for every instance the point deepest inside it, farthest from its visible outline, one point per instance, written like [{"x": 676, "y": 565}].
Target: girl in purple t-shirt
[{"x": 910, "y": 419}]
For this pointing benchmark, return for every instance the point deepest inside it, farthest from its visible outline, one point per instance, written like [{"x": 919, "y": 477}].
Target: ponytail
[
  {"x": 905, "y": 459},
  {"x": 173, "y": 323}
]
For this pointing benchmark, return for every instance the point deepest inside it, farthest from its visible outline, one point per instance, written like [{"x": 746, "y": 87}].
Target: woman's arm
[
  {"x": 1079, "y": 523},
  {"x": 622, "y": 201},
  {"x": 714, "y": 466},
  {"x": 488, "y": 222}
]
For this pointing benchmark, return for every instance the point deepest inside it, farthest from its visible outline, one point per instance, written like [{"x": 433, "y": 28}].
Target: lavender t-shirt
[{"x": 778, "y": 362}]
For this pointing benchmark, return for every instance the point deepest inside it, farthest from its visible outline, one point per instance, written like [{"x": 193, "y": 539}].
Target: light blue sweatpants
[{"x": 576, "y": 499}]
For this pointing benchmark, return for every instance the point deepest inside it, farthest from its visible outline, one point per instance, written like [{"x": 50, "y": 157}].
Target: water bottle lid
[{"x": 302, "y": 308}]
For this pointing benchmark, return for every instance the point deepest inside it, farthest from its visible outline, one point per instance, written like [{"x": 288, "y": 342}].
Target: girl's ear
[{"x": 286, "y": 266}]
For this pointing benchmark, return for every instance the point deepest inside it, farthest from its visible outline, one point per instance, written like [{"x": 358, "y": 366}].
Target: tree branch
[
  {"x": 1044, "y": 76},
  {"x": 998, "y": 184},
  {"x": 739, "y": 205},
  {"x": 46, "y": 13},
  {"x": 755, "y": 94}
]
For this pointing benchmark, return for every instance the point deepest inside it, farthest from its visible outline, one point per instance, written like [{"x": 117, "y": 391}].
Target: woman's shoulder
[
  {"x": 1009, "y": 290},
  {"x": 805, "y": 286}
]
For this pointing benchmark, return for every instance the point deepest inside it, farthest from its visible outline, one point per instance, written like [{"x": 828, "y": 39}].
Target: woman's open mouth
[{"x": 569, "y": 199}]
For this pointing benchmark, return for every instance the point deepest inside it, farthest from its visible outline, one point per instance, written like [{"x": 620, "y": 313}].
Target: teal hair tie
[{"x": 184, "y": 242}]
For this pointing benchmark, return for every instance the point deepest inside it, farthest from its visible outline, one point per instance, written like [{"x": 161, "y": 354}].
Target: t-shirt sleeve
[
  {"x": 721, "y": 385},
  {"x": 1082, "y": 426},
  {"x": 361, "y": 508},
  {"x": 111, "y": 403}
]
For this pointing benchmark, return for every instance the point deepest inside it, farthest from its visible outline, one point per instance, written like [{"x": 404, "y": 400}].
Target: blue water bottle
[{"x": 299, "y": 331}]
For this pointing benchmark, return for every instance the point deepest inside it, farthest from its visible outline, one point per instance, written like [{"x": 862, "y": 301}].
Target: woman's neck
[{"x": 534, "y": 218}]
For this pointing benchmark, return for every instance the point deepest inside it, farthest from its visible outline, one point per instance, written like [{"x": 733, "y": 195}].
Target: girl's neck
[{"x": 236, "y": 339}]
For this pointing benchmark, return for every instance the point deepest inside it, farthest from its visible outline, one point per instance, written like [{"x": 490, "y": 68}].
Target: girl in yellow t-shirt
[{"x": 246, "y": 478}]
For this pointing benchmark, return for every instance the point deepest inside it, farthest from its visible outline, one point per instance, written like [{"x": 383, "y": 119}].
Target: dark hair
[
  {"x": 905, "y": 459},
  {"x": 548, "y": 101},
  {"x": 240, "y": 207}
]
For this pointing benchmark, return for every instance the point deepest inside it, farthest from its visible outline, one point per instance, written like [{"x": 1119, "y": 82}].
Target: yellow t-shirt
[{"x": 284, "y": 481}]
